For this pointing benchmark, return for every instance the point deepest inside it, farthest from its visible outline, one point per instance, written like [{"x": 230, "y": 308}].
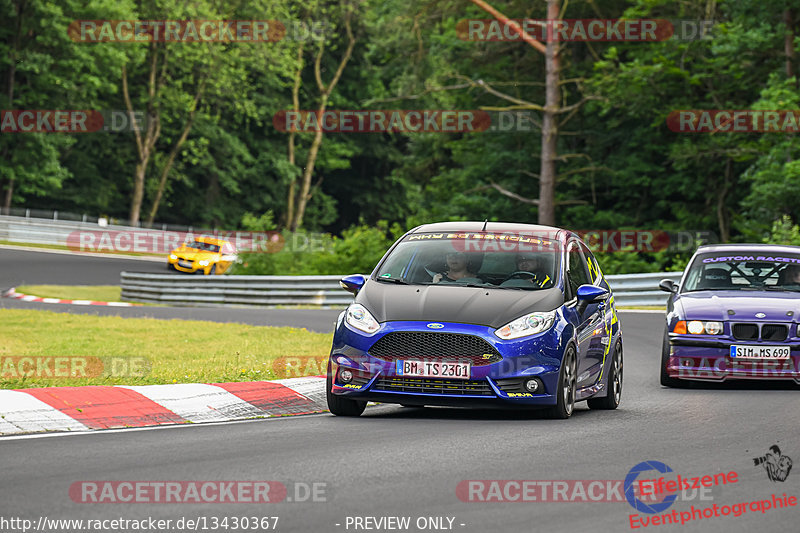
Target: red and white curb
[
  {"x": 11, "y": 293},
  {"x": 106, "y": 407}
]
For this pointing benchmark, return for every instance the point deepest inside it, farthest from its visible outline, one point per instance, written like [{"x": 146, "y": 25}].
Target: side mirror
[
  {"x": 353, "y": 283},
  {"x": 667, "y": 285},
  {"x": 592, "y": 293}
]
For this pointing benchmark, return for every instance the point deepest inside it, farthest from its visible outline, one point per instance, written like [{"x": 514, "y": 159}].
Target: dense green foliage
[{"x": 620, "y": 165}]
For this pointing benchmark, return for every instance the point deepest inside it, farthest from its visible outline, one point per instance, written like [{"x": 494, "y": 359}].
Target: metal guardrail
[
  {"x": 262, "y": 291},
  {"x": 55, "y": 231},
  {"x": 641, "y": 289}
]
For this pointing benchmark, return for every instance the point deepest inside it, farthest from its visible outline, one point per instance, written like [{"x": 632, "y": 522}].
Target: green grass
[
  {"x": 173, "y": 351},
  {"x": 98, "y": 293}
]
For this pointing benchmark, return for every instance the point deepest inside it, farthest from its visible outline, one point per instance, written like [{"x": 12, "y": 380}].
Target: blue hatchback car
[{"x": 477, "y": 314}]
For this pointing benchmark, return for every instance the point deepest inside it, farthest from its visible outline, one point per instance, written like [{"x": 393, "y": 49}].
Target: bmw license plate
[
  {"x": 432, "y": 369},
  {"x": 760, "y": 352}
]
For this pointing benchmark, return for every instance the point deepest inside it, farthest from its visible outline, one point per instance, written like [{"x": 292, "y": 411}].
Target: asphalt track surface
[
  {"x": 395, "y": 461},
  {"x": 19, "y": 267}
]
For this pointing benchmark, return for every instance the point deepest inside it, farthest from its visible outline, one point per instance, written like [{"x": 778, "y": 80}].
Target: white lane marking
[
  {"x": 79, "y": 302},
  {"x": 117, "y": 304},
  {"x": 199, "y": 402},
  {"x": 22, "y": 412},
  {"x": 312, "y": 388},
  {"x": 51, "y": 300},
  {"x": 29, "y": 298}
]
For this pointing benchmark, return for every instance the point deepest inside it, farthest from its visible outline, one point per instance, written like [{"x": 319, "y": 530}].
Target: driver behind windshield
[
  {"x": 457, "y": 268},
  {"x": 533, "y": 264},
  {"x": 791, "y": 276}
]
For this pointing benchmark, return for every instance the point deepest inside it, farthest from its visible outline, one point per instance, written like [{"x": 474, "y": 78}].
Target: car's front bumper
[
  {"x": 498, "y": 384},
  {"x": 710, "y": 360},
  {"x": 189, "y": 267}
]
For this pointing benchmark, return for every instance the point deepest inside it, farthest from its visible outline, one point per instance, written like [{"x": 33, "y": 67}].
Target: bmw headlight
[
  {"x": 358, "y": 317},
  {"x": 527, "y": 325},
  {"x": 697, "y": 327},
  {"x": 203, "y": 263},
  {"x": 173, "y": 256}
]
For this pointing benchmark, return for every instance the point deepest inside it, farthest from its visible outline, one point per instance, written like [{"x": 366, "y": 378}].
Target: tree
[{"x": 297, "y": 201}]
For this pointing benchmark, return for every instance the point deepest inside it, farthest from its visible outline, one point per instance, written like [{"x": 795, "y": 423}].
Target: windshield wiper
[{"x": 398, "y": 281}]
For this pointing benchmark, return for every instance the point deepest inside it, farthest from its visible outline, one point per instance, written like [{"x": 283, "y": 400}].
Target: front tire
[
  {"x": 567, "y": 383},
  {"x": 614, "y": 395},
  {"x": 338, "y": 405}
]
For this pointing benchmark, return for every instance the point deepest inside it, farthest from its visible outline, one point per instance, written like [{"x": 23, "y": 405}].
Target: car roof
[
  {"x": 210, "y": 240},
  {"x": 494, "y": 227},
  {"x": 744, "y": 247}
]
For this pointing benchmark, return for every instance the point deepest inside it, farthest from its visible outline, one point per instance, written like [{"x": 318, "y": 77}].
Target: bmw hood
[
  {"x": 715, "y": 305},
  {"x": 450, "y": 303}
]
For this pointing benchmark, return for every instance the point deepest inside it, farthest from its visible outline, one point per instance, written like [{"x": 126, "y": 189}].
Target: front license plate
[
  {"x": 432, "y": 369},
  {"x": 760, "y": 352},
  {"x": 184, "y": 264}
]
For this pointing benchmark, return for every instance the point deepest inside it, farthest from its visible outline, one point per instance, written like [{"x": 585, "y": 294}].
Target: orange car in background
[{"x": 202, "y": 255}]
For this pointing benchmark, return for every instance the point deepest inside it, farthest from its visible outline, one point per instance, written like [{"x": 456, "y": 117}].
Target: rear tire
[
  {"x": 666, "y": 380},
  {"x": 565, "y": 392},
  {"x": 338, "y": 405},
  {"x": 614, "y": 395}
]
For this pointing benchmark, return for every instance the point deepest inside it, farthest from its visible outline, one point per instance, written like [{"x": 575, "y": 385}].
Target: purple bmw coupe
[{"x": 734, "y": 315}]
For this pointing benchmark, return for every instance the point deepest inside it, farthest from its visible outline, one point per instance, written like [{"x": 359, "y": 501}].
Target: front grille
[
  {"x": 769, "y": 332},
  {"x": 455, "y": 387},
  {"x": 431, "y": 346},
  {"x": 774, "y": 332},
  {"x": 745, "y": 332}
]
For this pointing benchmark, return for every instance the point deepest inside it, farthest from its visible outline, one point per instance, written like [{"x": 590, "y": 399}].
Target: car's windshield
[
  {"x": 744, "y": 270},
  {"x": 200, "y": 245},
  {"x": 487, "y": 260}
]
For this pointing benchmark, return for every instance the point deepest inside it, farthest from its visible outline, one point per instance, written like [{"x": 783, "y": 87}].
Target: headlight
[
  {"x": 203, "y": 263},
  {"x": 697, "y": 327},
  {"x": 173, "y": 256},
  {"x": 527, "y": 325},
  {"x": 358, "y": 317}
]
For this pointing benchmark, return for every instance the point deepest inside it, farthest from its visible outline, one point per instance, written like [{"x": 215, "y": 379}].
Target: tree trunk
[
  {"x": 138, "y": 191},
  {"x": 308, "y": 172},
  {"x": 290, "y": 200},
  {"x": 162, "y": 182},
  {"x": 547, "y": 172},
  {"x": 325, "y": 92},
  {"x": 788, "y": 42},
  {"x": 722, "y": 212},
  {"x": 146, "y": 144}
]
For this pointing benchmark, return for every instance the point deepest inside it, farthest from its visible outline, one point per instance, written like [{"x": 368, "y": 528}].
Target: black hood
[{"x": 450, "y": 303}]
